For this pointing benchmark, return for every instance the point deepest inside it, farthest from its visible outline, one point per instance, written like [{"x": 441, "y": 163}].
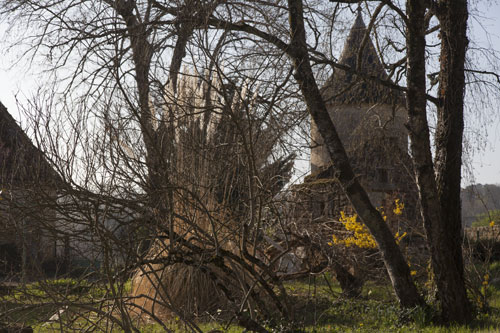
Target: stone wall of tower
[
  {"x": 370, "y": 121},
  {"x": 377, "y": 130},
  {"x": 376, "y": 142}
]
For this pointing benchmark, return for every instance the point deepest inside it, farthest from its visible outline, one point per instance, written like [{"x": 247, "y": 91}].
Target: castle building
[
  {"x": 369, "y": 115},
  {"x": 370, "y": 119}
]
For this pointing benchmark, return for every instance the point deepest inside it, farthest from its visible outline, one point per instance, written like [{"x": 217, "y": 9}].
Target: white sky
[{"x": 485, "y": 30}]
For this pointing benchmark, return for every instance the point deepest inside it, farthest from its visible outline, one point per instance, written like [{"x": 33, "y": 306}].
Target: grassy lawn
[{"x": 319, "y": 306}]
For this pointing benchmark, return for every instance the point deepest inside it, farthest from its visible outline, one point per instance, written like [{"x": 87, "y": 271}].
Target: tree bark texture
[
  {"x": 394, "y": 260},
  {"x": 351, "y": 285},
  {"x": 449, "y": 268},
  {"x": 439, "y": 184}
]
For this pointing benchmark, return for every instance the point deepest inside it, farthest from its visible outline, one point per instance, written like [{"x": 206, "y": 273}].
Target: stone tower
[{"x": 369, "y": 118}]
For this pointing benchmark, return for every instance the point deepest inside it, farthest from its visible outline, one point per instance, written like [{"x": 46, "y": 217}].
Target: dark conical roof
[
  {"x": 346, "y": 88},
  {"x": 20, "y": 160}
]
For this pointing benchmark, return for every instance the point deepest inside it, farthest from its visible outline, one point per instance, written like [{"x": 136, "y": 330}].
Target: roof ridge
[{"x": 22, "y": 161}]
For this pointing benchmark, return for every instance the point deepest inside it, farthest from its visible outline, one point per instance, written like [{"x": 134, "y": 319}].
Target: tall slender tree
[{"x": 131, "y": 50}]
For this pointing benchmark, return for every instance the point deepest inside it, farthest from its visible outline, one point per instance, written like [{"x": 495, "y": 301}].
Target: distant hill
[{"x": 479, "y": 199}]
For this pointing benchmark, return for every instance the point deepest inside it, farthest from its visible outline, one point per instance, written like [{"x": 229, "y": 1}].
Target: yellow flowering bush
[
  {"x": 399, "y": 237},
  {"x": 484, "y": 292},
  {"x": 361, "y": 237},
  {"x": 399, "y": 206},
  {"x": 486, "y": 279},
  {"x": 359, "y": 234}
]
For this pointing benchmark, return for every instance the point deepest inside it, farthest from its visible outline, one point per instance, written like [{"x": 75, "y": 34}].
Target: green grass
[
  {"x": 484, "y": 220},
  {"x": 318, "y": 303}
]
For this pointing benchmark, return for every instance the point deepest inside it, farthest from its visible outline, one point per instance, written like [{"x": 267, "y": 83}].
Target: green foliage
[
  {"x": 319, "y": 308},
  {"x": 56, "y": 289},
  {"x": 484, "y": 220},
  {"x": 476, "y": 197}
]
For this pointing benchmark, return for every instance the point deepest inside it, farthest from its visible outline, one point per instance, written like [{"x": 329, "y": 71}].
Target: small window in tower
[{"x": 382, "y": 175}]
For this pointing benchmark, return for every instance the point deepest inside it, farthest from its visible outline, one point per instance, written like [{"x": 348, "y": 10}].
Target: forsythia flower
[
  {"x": 398, "y": 210},
  {"x": 486, "y": 279},
  {"x": 413, "y": 273},
  {"x": 361, "y": 237},
  {"x": 359, "y": 234},
  {"x": 381, "y": 211},
  {"x": 492, "y": 223},
  {"x": 398, "y": 237}
]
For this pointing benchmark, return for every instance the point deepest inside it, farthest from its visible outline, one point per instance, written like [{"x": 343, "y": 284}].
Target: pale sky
[{"x": 485, "y": 30}]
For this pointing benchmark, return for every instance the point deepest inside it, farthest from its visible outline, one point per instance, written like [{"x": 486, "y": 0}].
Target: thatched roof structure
[
  {"x": 20, "y": 160},
  {"x": 344, "y": 87}
]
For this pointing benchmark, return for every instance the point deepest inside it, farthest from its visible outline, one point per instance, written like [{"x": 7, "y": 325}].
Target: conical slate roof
[{"x": 346, "y": 88}]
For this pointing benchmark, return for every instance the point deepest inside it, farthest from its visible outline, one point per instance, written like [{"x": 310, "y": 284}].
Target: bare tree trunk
[
  {"x": 351, "y": 285},
  {"x": 440, "y": 198},
  {"x": 449, "y": 262},
  {"x": 394, "y": 260},
  {"x": 157, "y": 154}
]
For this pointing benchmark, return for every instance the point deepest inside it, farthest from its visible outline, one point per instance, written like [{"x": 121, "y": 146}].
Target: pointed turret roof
[{"x": 346, "y": 88}]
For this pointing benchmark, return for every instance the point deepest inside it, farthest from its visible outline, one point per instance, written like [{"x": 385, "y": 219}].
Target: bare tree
[
  {"x": 439, "y": 181},
  {"x": 166, "y": 175},
  {"x": 438, "y": 195},
  {"x": 152, "y": 148}
]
